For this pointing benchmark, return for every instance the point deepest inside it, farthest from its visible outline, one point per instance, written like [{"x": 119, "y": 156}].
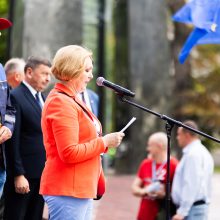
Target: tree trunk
[
  {"x": 46, "y": 26},
  {"x": 147, "y": 74}
]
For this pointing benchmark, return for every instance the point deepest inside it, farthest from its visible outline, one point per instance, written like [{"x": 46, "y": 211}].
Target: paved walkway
[{"x": 119, "y": 204}]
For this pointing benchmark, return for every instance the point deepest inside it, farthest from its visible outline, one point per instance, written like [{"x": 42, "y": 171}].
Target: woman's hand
[{"x": 113, "y": 139}]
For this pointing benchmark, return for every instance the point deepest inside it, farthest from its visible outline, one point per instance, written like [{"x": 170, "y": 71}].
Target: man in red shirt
[{"x": 150, "y": 181}]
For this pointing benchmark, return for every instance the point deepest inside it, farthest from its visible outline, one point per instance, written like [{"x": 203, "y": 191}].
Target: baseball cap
[{"x": 4, "y": 23}]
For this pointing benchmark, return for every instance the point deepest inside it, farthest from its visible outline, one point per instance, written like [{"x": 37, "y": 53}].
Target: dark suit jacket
[{"x": 25, "y": 153}]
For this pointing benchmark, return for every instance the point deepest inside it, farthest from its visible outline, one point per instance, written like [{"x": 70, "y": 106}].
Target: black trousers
[{"x": 23, "y": 206}]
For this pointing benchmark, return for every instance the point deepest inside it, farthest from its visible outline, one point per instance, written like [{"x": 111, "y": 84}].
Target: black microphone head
[{"x": 99, "y": 81}]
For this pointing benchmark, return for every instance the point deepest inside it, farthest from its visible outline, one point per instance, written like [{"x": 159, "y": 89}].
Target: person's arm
[
  {"x": 64, "y": 120},
  {"x": 137, "y": 188},
  {"x": 14, "y": 147}
]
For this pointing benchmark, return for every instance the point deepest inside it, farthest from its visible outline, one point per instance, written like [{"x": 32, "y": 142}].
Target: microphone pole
[{"x": 170, "y": 122}]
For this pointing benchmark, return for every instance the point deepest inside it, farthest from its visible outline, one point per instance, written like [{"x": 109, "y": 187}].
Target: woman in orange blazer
[{"x": 72, "y": 139}]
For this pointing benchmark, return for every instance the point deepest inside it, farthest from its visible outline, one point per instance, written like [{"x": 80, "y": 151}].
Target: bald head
[
  {"x": 159, "y": 138},
  {"x": 157, "y": 146},
  {"x": 14, "y": 69}
]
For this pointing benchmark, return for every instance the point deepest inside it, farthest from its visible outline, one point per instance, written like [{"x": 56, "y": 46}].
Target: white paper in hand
[{"x": 128, "y": 124}]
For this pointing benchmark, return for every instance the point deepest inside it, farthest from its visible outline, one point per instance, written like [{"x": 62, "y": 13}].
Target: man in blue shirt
[
  {"x": 191, "y": 187},
  {"x": 91, "y": 99},
  {"x": 7, "y": 113}
]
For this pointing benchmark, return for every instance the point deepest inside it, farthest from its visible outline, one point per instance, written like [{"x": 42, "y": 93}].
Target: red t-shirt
[{"x": 149, "y": 207}]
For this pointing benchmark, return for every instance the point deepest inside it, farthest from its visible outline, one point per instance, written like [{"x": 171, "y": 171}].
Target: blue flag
[{"x": 204, "y": 15}]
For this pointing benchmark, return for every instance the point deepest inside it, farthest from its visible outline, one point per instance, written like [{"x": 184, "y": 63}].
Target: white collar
[
  {"x": 32, "y": 90},
  {"x": 190, "y": 145}
]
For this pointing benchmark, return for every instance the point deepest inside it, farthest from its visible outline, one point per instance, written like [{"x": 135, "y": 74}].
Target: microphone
[{"x": 118, "y": 89}]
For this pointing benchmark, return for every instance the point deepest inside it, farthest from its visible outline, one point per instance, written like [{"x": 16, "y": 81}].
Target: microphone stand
[{"x": 170, "y": 122}]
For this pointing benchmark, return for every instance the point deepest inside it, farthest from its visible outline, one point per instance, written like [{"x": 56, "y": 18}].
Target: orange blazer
[{"x": 73, "y": 148}]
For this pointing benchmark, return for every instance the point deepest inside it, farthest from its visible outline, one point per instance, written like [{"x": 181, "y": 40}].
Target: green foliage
[
  {"x": 217, "y": 169},
  {"x": 3, "y": 7},
  {"x": 203, "y": 100}
]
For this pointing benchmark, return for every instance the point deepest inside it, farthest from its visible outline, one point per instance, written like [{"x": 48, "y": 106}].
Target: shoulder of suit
[
  {"x": 92, "y": 93},
  {"x": 57, "y": 97},
  {"x": 18, "y": 90}
]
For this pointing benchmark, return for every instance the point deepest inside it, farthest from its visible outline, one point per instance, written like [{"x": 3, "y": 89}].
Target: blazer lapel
[{"x": 31, "y": 99}]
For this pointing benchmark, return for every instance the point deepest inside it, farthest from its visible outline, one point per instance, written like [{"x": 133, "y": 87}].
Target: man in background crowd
[
  {"x": 192, "y": 180},
  {"x": 149, "y": 183},
  {"x": 91, "y": 99},
  {"x": 25, "y": 154},
  {"x": 14, "y": 69}
]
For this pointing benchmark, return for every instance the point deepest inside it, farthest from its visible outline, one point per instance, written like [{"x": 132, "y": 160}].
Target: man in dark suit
[{"x": 25, "y": 154}]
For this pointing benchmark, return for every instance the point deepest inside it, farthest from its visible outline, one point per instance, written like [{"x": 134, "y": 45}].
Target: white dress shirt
[{"x": 192, "y": 179}]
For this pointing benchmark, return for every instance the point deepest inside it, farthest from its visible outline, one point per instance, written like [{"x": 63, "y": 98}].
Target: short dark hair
[
  {"x": 191, "y": 124},
  {"x": 33, "y": 62}
]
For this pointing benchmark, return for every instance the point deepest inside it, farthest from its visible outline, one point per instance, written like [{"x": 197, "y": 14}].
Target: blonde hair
[{"x": 68, "y": 62}]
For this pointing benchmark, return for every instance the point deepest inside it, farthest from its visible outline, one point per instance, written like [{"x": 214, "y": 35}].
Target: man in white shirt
[{"x": 192, "y": 180}]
